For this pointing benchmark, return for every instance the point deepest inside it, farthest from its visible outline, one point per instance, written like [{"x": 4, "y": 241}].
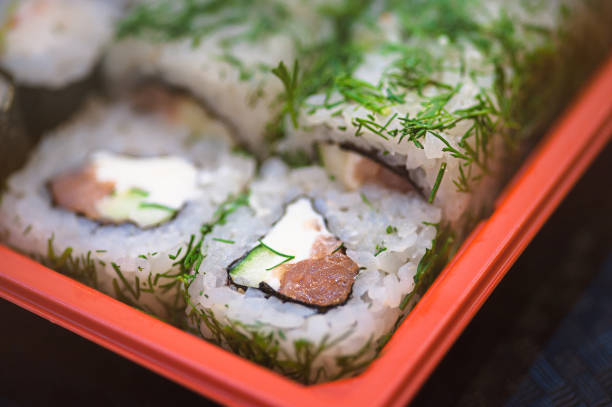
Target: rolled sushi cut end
[
  {"x": 114, "y": 188},
  {"x": 299, "y": 259},
  {"x": 307, "y": 274},
  {"x": 222, "y": 53},
  {"x": 116, "y": 197},
  {"x": 354, "y": 170}
]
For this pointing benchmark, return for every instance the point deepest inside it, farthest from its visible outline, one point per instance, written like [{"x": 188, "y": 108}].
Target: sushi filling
[
  {"x": 354, "y": 170},
  {"x": 115, "y": 188},
  {"x": 298, "y": 260}
]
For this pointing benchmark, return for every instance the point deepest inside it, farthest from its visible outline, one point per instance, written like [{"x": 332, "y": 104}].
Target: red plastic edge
[{"x": 420, "y": 342}]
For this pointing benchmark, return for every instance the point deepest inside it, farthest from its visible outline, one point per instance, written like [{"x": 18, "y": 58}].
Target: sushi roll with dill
[
  {"x": 116, "y": 197},
  {"x": 222, "y": 52},
  {"x": 442, "y": 93},
  {"x": 302, "y": 274}
]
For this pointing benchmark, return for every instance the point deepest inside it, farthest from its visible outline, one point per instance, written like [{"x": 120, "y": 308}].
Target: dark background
[{"x": 43, "y": 364}]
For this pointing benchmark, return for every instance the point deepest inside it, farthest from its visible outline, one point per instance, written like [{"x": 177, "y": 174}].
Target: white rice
[
  {"x": 380, "y": 287},
  {"x": 29, "y": 221}
]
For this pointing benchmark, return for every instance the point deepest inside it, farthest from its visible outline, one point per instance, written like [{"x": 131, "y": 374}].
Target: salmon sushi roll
[
  {"x": 116, "y": 196},
  {"x": 306, "y": 274}
]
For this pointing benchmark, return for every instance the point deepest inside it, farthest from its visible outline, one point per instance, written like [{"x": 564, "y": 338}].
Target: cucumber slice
[{"x": 256, "y": 267}]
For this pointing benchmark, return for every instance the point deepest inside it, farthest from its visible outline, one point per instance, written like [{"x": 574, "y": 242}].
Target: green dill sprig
[
  {"x": 227, "y": 241},
  {"x": 433, "y": 261},
  {"x": 367, "y": 95},
  {"x": 171, "y": 20},
  {"x": 434, "y": 190},
  {"x": 263, "y": 347},
  {"x": 193, "y": 256},
  {"x": 340, "y": 247},
  {"x": 287, "y": 257},
  {"x": 366, "y": 201},
  {"x": 290, "y": 82},
  {"x": 161, "y": 207},
  {"x": 380, "y": 248},
  {"x": 81, "y": 268}
]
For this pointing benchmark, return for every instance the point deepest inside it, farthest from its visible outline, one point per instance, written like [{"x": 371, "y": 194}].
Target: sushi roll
[
  {"x": 116, "y": 197},
  {"x": 443, "y": 94},
  {"x": 223, "y": 53},
  {"x": 52, "y": 43},
  {"x": 308, "y": 278}
]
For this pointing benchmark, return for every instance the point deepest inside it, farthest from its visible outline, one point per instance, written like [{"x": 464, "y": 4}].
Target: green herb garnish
[
  {"x": 216, "y": 239},
  {"x": 152, "y": 205}
]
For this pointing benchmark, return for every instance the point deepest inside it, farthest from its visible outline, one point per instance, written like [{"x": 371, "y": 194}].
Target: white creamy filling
[
  {"x": 295, "y": 234},
  {"x": 290, "y": 241},
  {"x": 148, "y": 191}
]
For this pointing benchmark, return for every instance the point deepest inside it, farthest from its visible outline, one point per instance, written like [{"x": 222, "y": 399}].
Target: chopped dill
[
  {"x": 366, "y": 201},
  {"x": 135, "y": 292},
  {"x": 245, "y": 74},
  {"x": 432, "y": 262},
  {"x": 391, "y": 229},
  {"x": 174, "y": 256},
  {"x": 287, "y": 257},
  {"x": 436, "y": 186},
  {"x": 340, "y": 247},
  {"x": 296, "y": 159},
  {"x": 101, "y": 251},
  {"x": 170, "y": 20},
  {"x": 289, "y": 80},
  {"x": 380, "y": 249},
  {"x": 193, "y": 256},
  {"x": 216, "y": 239},
  {"x": 152, "y": 205},
  {"x": 81, "y": 268},
  {"x": 27, "y": 230},
  {"x": 138, "y": 192},
  {"x": 142, "y": 256}
]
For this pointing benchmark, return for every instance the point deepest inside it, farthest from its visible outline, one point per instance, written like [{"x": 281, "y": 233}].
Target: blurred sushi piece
[
  {"x": 52, "y": 43},
  {"x": 221, "y": 52},
  {"x": 116, "y": 196}
]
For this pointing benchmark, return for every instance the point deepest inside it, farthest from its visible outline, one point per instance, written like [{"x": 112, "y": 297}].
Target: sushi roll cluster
[{"x": 282, "y": 178}]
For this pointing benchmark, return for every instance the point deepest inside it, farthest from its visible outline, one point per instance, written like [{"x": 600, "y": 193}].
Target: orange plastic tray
[{"x": 419, "y": 343}]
